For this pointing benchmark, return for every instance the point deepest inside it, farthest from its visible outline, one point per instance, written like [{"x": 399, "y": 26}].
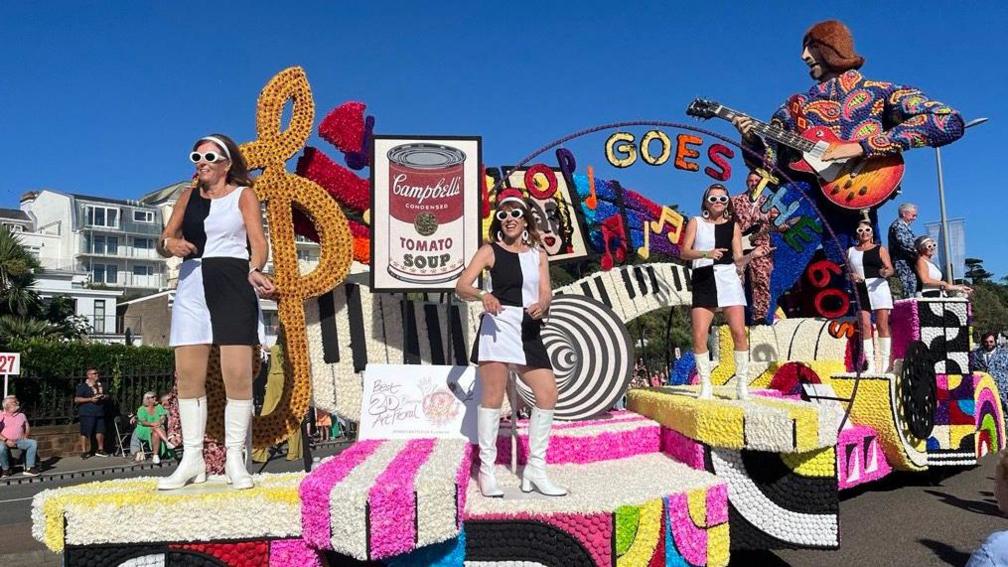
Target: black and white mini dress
[
  {"x": 214, "y": 301},
  {"x": 716, "y": 283},
  {"x": 512, "y": 336},
  {"x": 873, "y": 292}
]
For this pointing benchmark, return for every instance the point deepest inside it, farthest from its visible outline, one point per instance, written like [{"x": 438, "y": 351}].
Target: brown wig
[
  {"x": 530, "y": 225},
  {"x": 238, "y": 173},
  {"x": 729, "y": 208}
]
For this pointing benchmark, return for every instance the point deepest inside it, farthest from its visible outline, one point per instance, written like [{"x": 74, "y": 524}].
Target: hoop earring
[
  {"x": 525, "y": 237},
  {"x": 705, "y": 214},
  {"x": 500, "y": 236}
]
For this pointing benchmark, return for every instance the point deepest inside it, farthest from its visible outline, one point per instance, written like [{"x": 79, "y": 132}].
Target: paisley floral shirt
[{"x": 885, "y": 117}]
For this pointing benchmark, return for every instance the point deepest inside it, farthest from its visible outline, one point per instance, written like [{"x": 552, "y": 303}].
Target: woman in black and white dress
[
  {"x": 217, "y": 228},
  {"x": 518, "y": 294},
  {"x": 871, "y": 265},
  {"x": 714, "y": 243}
]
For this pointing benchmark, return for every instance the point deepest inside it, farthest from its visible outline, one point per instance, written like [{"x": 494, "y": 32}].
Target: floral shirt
[{"x": 885, "y": 117}]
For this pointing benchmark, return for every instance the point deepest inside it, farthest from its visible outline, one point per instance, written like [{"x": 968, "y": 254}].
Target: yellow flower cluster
[
  {"x": 717, "y": 536},
  {"x": 876, "y": 406},
  {"x": 283, "y": 191},
  {"x": 648, "y": 532},
  {"x": 79, "y": 510},
  {"x": 820, "y": 462},
  {"x": 760, "y": 423}
]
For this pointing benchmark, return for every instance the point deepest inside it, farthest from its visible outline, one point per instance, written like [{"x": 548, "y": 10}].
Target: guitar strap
[{"x": 794, "y": 106}]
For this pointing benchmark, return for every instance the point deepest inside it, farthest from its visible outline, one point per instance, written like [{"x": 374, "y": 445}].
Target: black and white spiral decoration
[{"x": 592, "y": 356}]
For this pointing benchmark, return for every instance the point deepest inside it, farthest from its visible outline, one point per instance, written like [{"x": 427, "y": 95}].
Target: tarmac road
[{"x": 902, "y": 520}]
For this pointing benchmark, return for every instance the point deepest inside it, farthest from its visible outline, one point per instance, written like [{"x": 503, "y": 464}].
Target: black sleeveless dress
[{"x": 512, "y": 336}]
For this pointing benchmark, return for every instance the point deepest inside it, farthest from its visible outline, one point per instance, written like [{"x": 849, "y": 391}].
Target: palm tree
[
  {"x": 15, "y": 329},
  {"x": 17, "y": 277}
]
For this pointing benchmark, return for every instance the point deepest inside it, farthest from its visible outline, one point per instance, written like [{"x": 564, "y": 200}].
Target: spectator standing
[
  {"x": 981, "y": 357},
  {"x": 14, "y": 430},
  {"x": 902, "y": 249},
  {"x": 90, "y": 400}
]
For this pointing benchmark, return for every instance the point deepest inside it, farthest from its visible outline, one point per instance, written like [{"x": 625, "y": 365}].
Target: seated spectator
[
  {"x": 151, "y": 418},
  {"x": 14, "y": 430},
  {"x": 324, "y": 423}
]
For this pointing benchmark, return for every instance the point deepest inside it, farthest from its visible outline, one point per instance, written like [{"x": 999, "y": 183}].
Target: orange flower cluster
[{"x": 283, "y": 191}]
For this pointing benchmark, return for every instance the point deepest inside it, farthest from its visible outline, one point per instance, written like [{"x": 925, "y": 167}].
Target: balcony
[{"x": 127, "y": 226}]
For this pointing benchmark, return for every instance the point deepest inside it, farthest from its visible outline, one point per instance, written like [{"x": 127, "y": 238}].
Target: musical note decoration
[{"x": 283, "y": 192}]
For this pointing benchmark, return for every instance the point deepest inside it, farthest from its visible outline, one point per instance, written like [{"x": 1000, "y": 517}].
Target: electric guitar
[{"x": 852, "y": 183}]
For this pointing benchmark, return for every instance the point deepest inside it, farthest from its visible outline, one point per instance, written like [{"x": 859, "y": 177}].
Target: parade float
[{"x": 671, "y": 480}]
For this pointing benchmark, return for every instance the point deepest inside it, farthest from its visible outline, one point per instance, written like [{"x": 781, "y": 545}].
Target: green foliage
[
  {"x": 43, "y": 359},
  {"x": 661, "y": 330},
  {"x": 17, "y": 276},
  {"x": 990, "y": 307},
  {"x": 50, "y": 371}
]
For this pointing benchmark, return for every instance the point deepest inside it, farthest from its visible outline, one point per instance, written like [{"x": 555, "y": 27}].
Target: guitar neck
[{"x": 777, "y": 134}]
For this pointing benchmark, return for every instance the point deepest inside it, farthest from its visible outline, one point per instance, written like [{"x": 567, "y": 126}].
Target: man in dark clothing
[{"x": 90, "y": 399}]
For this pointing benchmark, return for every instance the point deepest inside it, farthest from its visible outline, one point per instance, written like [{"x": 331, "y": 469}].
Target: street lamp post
[{"x": 941, "y": 203}]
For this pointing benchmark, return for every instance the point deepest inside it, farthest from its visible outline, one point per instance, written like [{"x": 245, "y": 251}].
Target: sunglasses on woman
[
  {"x": 209, "y": 157},
  {"x": 513, "y": 213},
  {"x": 864, "y": 230},
  {"x": 722, "y": 199}
]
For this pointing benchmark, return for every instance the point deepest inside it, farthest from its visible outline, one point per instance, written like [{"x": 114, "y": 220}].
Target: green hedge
[{"x": 51, "y": 371}]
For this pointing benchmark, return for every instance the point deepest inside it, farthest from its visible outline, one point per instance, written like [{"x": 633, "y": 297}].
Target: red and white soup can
[{"x": 426, "y": 222}]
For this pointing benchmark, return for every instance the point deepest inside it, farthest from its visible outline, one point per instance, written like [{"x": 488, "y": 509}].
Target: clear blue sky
[{"x": 104, "y": 98}]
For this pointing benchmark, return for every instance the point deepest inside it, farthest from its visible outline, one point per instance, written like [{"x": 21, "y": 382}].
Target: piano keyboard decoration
[
  {"x": 349, "y": 327},
  {"x": 632, "y": 291},
  {"x": 592, "y": 356}
]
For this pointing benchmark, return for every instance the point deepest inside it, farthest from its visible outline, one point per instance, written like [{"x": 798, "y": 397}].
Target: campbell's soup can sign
[{"x": 426, "y": 212}]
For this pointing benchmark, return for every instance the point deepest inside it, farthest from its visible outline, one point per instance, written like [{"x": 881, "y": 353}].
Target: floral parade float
[{"x": 672, "y": 480}]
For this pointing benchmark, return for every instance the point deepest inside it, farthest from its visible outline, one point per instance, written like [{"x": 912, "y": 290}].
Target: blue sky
[{"x": 105, "y": 98}]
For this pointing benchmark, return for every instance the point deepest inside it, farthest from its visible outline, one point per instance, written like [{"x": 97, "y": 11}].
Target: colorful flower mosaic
[{"x": 379, "y": 499}]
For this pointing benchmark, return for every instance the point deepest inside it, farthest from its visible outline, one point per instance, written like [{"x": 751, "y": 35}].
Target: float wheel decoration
[{"x": 917, "y": 390}]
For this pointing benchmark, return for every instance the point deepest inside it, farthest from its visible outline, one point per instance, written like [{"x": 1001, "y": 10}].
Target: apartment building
[
  {"x": 112, "y": 241},
  {"x": 61, "y": 274}
]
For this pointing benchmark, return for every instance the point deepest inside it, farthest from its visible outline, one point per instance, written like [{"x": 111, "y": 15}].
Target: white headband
[
  {"x": 506, "y": 199},
  {"x": 219, "y": 142}
]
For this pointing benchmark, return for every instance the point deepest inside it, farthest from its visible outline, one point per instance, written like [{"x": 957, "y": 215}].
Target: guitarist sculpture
[
  {"x": 853, "y": 183},
  {"x": 847, "y": 129}
]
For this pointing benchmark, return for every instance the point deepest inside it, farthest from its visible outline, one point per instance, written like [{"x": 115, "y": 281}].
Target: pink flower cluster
[
  {"x": 393, "y": 503},
  {"x": 569, "y": 444},
  {"x": 314, "y": 490}
]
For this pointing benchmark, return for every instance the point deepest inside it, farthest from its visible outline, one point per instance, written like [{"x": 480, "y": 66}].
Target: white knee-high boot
[
  {"x": 534, "y": 476},
  {"x": 869, "y": 355},
  {"x": 885, "y": 351},
  {"x": 742, "y": 374},
  {"x": 193, "y": 416},
  {"x": 487, "y": 425},
  {"x": 703, "y": 366},
  {"x": 237, "y": 416}
]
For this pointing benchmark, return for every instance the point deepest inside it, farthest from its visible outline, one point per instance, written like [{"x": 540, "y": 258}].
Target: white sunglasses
[{"x": 209, "y": 157}]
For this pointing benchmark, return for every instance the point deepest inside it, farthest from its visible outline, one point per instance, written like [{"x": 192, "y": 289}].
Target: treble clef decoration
[{"x": 282, "y": 190}]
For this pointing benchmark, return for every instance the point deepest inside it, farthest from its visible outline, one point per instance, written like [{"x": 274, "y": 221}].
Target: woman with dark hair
[
  {"x": 518, "y": 294},
  {"x": 217, "y": 227},
  {"x": 930, "y": 282},
  {"x": 713, "y": 242},
  {"x": 871, "y": 265}
]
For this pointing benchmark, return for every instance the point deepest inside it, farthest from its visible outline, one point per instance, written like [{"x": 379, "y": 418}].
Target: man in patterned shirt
[
  {"x": 902, "y": 249},
  {"x": 880, "y": 118}
]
